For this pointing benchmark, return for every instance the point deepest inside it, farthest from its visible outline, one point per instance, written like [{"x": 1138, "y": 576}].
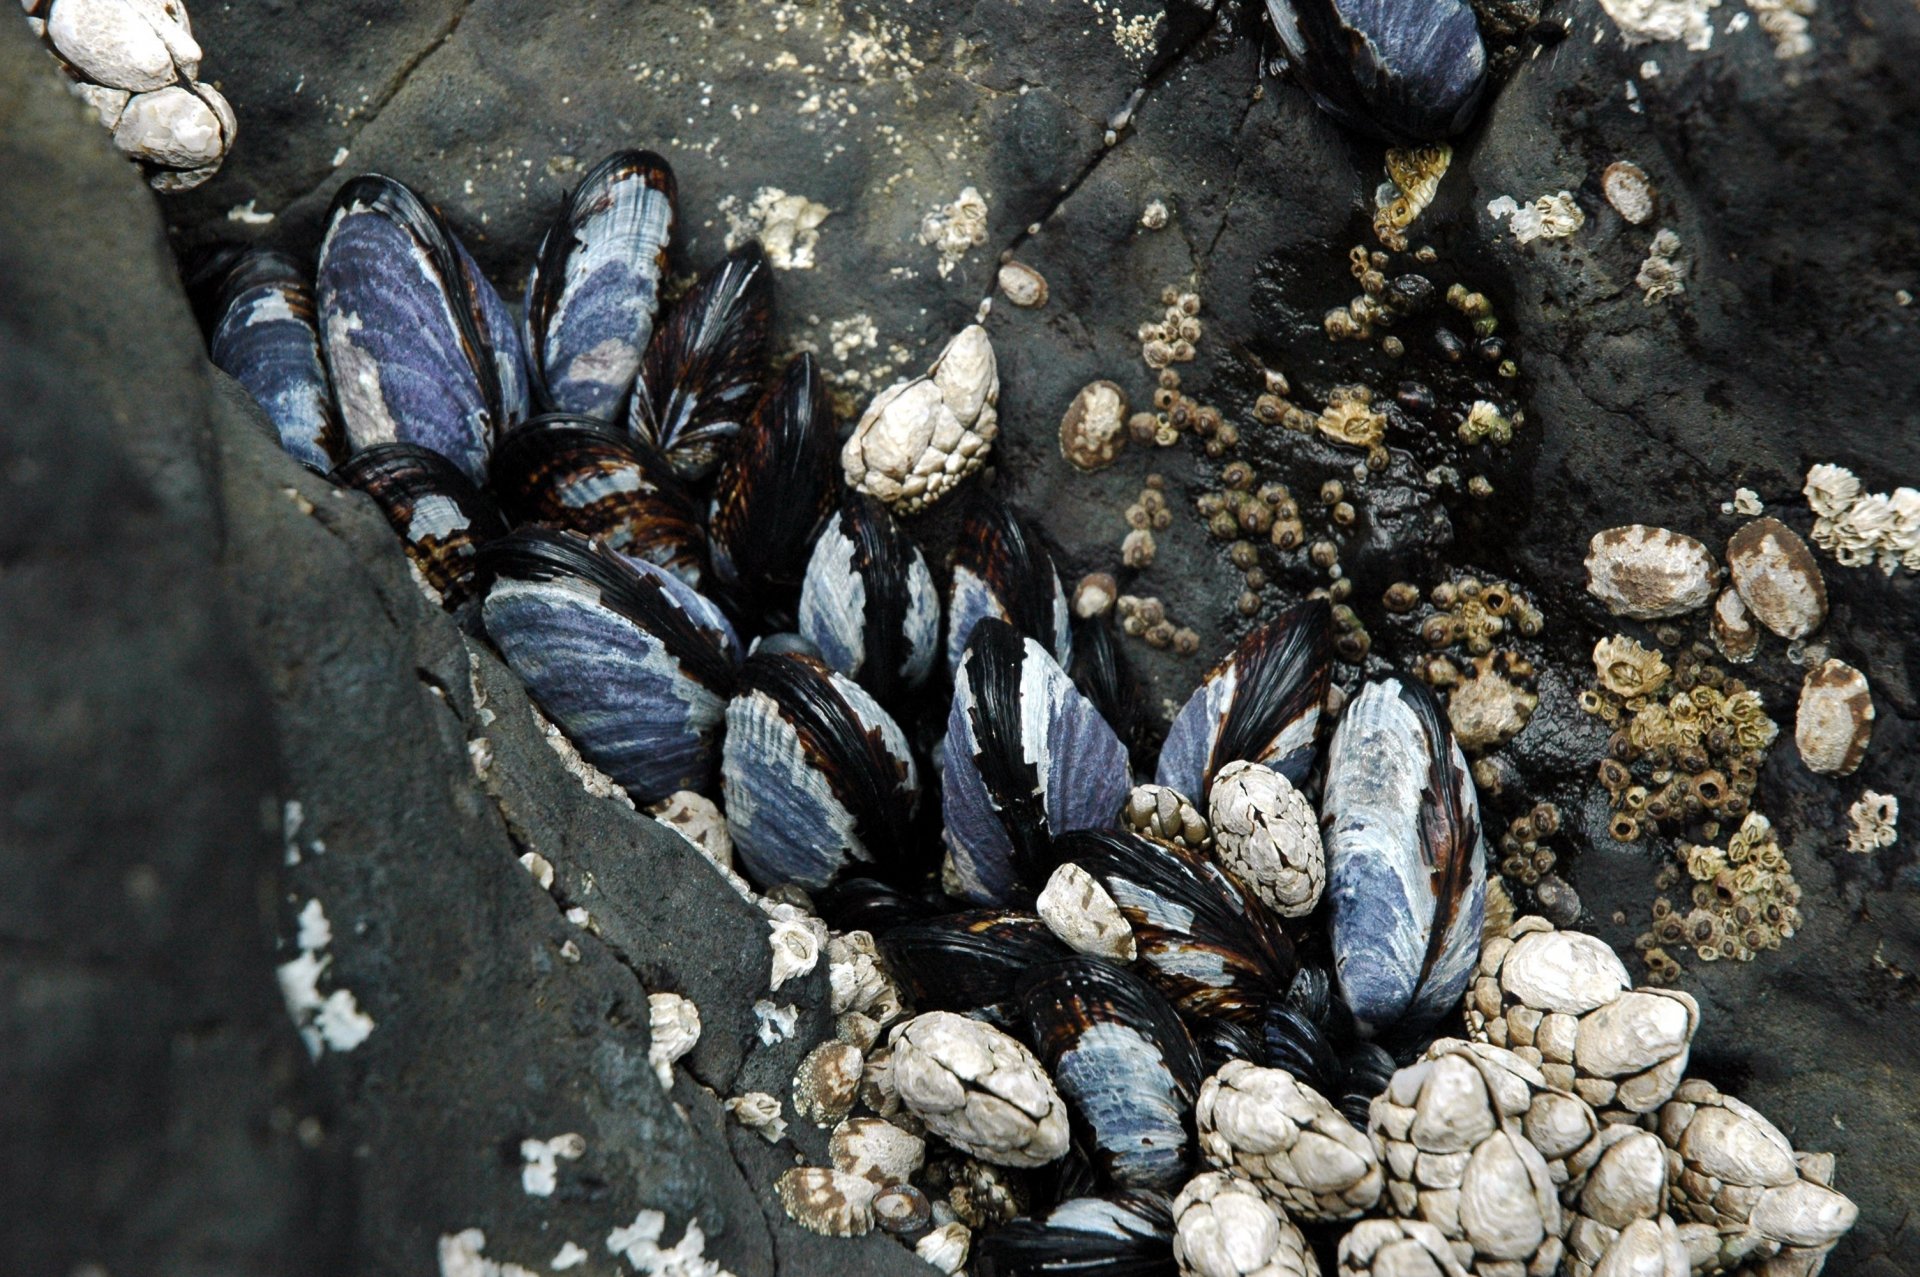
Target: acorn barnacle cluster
[
  {"x": 1244, "y": 511},
  {"x": 1859, "y": 527},
  {"x": 1736, "y": 902},
  {"x": 1525, "y": 855}
]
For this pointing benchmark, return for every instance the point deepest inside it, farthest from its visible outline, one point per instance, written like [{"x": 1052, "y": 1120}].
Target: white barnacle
[
  {"x": 1078, "y": 910},
  {"x": 978, "y": 1089},
  {"x": 674, "y": 1023},
  {"x": 1266, "y": 832},
  {"x": 540, "y": 1161},
  {"x": 759, "y": 1112},
  {"x": 1875, "y": 820},
  {"x": 796, "y": 949}
]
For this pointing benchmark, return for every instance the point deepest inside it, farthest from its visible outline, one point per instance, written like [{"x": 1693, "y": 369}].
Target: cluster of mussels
[{"x": 1092, "y": 990}]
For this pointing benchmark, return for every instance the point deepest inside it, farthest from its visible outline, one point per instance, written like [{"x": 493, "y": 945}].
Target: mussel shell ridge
[{"x": 441, "y": 519}]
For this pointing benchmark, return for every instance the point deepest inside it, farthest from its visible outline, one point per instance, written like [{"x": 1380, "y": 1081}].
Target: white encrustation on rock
[
  {"x": 1084, "y": 916},
  {"x": 1563, "y": 1002},
  {"x": 1267, "y": 835},
  {"x": 674, "y": 1023},
  {"x": 978, "y": 1089},
  {"x": 1476, "y": 1143},
  {"x": 1396, "y": 1248},
  {"x": 919, "y": 438},
  {"x": 1730, "y": 1168},
  {"x": 136, "y": 63},
  {"x": 1223, "y": 1227},
  {"x": 1283, "y": 1137}
]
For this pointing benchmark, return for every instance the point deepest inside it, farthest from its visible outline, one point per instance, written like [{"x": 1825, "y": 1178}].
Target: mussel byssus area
[{"x": 1247, "y": 638}]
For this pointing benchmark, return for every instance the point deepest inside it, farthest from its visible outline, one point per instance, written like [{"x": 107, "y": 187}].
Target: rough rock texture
[{"x": 1787, "y": 182}]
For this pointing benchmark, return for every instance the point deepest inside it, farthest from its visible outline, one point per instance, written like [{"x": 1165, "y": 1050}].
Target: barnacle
[
  {"x": 1744, "y": 899},
  {"x": 1413, "y": 178},
  {"x": 1524, "y": 855},
  {"x": 1351, "y": 418},
  {"x": 1627, "y": 669}
]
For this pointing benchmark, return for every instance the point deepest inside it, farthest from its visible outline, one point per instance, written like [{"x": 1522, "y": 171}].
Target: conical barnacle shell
[
  {"x": 1282, "y": 1135},
  {"x": 919, "y": 438},
  {"x": 595, "y": 287},
  {"x": 1123, "y": 1232},
  {"x": 632, "y": 664},
  {"x": 419, "y": 346},
  {"x": 775, "y": 487},
  {"x": 1406, "y": 864},
  {"x": 266, "y": 340},
  {"x": 1404, "y": 73},
  {"x": 1210, "y": 948},
  {"x": 1223, "y": 1228},
  {"x": 1266, "y": 834},
  {"x": 700, "y": 375},
  {"x": 1001, "y": 570},
  {"x": 827, "y": 1200},
  {"x": 815, "y": 775},
  {"x": 1124, "y": 1064},
  {"x": 1262, "y": 704},
  {"x": 978, "y": 1089},
  {"x": 1027, "y": 759},
  {"x": 442, "y": 520},
  {"x": 967, "y": 961},
  {"x": 876, "y": 1149},
  {"x": 577, "y": 474},
  {"x": 1396, "y": 1248},
  {"x": 1078, "y": 910},
  {"x": 1644, "y": 1248},
  {"x": 126, "y": 44},
  {"x": 868, "y": 602}
]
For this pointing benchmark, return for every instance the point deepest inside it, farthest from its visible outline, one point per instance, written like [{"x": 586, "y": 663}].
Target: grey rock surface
[{"x": 1787, "y": 182}]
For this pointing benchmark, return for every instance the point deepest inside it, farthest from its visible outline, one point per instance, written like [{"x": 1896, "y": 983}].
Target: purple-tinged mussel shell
[
  {"x": 265, "y": 339},
  {"x": 442, "y": 520}
]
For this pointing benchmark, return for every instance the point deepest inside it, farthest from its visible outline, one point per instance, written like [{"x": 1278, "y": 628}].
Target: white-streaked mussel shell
[
  {"x": 868, "y": 602},
  {"x": 632, "y": 664},
  {"x": 266, "y": 340},
  {"x": 815, "y": 775},
  {"x": 1001, "y": 570},
  {"x": 1406, "y": 862},
  {"x": 442, "y": 520},
  {"x": 1027, "y": 758},
  {"x": 1404, "y": 72}
]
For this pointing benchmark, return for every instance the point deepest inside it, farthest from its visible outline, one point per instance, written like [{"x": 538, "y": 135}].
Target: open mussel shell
[
  {"x": 1406, "y": 863},
  {"x": 1403, "y": 72},
  {"x": 1001, "y": 570},
  {"x": 419, "y": 346},
  {"x": 1263, "y": 704},
  {"x": 1123, "y": 1062},
  {"x": 1214, "y": 950},
  {"x": 1028, "y": 758},
  {"x": 868, "y": 602},
  {"x": 577, "y": 474},
  {"x": 1120, "y": 1234},
  {"x": 441, "y": 518},
  {"x": 595, "y": 288},
  {"x": 776, "y": 485},
  {"x": 632, "y": 664},
  {"x": 700, "y": 375},
  {"x": 264, "y": 338},
  {"x": 816, "y": 776},
  {"x": 970, "y": 960}
]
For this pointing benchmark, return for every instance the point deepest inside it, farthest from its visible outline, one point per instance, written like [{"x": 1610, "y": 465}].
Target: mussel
[
  {"x": 1101, "y": 673},
  {"x": 867, "y": 602},
  {"x": 816, "y": 776},
  {"x": 1406, "y": 862},
  {"x": 1309, "y": 1034},
  {"x": 1123, "y": 1062},
  {"x": 1027, "y": 758},
  {"x": 1402, "y": 71},
  {"x": 419, "y": 346},
  {"x": 1001, "y": 570},
  {"x": 1123, "y": 1234},
  {"x": 775, "y": 487},
  {"x": 970, "y": 960},
  {"x": 1211, "y": 948},
  {"x": 632, "y": 664},
  {"x": 700, "y": 375},
  {"x": 576, "y": 473},
  {"x": 594, "y": 289},
  {"x": 1262, "y": 704},
  {"x": 441, "y": 519},
  {"x": 264, "y": 337}
]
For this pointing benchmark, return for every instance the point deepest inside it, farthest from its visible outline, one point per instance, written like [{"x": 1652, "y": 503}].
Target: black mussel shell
[
  {"x": 1000, "y": 569},
  {"x": 1223, "y": 1040},
  {"x": 1123, "y": 1234},
  {"x": 1211, "y": 948},
  {"x": 580, "y": 475},
  {"x": 965, "y": 961},
  {"x": 1262, "y": 704},
  {"x": 1368, "y": 1069},
  {"x": 1123, "y": 1062},
  {"x": 776, "y": 486},
  {"x": 868, "y": 602},
  {"x": 871, "y": 905},
  {"x": 1400, "y": 70},
  {"x": 701, "y": 373},
  {"x": 440, "y": 517},
  {"x": 1101, "y": 673},
  {"x": 264, "y": 336}
]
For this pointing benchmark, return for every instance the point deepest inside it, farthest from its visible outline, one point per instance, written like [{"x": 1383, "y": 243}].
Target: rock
[
  {"x": 1835, "y": 719},
  {"x": 1647, "y": 573},
  {"x": 1777, "y": 578}
]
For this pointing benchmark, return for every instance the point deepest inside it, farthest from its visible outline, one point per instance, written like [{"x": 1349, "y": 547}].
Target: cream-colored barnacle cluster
[
  {"x": 1873, "y": 822},
  {"x": 1148, "y": 513},
  {"x": 1859, "y": 527},
  {"x": 1490, "y": 700},
  {"x": 1146, "y": 619},
  {"x": 1740, "y": 900},
  {"x": 919, "y": 438},
  {"x": 1174, "y": 337},
  {"x": 1413, "y": 179},
  {"x": 136, "y": 63},
  {"x": 1525, "y": 856},
  {"x": 1471, "y": 613},
  {"x": 1244, "y": 510}
]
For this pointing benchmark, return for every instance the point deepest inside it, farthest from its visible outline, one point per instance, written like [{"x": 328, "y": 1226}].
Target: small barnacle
[
  {"x": 1137, "y": 548},
  {"x": 1401, "y": 597},
  {"x": 1627, "y": 669},
  {"x": 1874, "y": 818},
  {"x": 1349, "y": 418},
  {"x": 1094, "y": 595}
]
